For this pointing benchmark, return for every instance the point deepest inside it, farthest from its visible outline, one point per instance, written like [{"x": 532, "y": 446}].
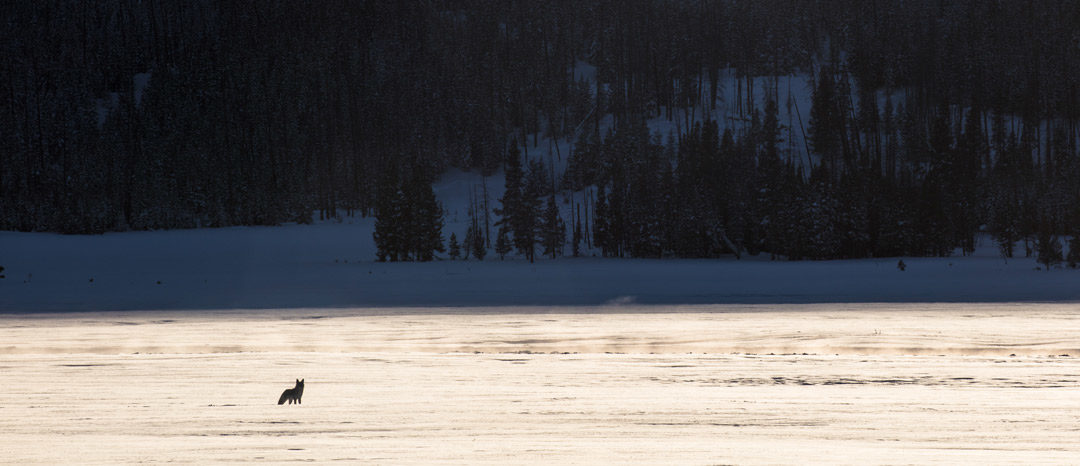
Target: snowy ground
[
  {"x": 185, "y": 339},
  {"x": 914, "y": 383},
  {"x": 331, "y": 265}
]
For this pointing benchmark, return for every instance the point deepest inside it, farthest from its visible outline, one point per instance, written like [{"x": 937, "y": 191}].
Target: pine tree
[
  {"x": 511, "y": 212},
  {"x": 963, "y": 174},
  {"x": 770, "y": 132},
  {"x": 424, "y": 220},
  {"x": 467, "y": 242},
  {"x": 455, "y": 249},
  {"x": 577, "y": 233},
  {"x": 527, "y": 225},
  {"x": 553, "y": 231},
  {"x": 826, "y": 122},
  {"x": 1048, "y": 248},
  {"x": 389, "y": 217},
  {"x": 770, "y": 181},
  {"x": 475, "y": 244},
  {"x": 1072, "y": 260},
  {"x": 502, "y": 244},
  {"x": 601, "y": 237},
  {"x": 1006, "y": 197},
  {"x": 1005, "y": 235}
]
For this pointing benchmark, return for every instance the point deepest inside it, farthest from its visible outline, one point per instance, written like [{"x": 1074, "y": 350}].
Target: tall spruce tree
[
  {"x": 389, "y": 217},
  {"x": 502, "y": 244},
  {"x": 426, "y": 219},
  {"x": 601, "y": 222},
  {"x": 826, "y": 123},
  {"x": 408, "y": 219},
  {"x": 1048, "y": 249},
  {"x": 527, "y": 228},
  {"x": 553, "y": 229},
  {"x": 510, "y": 211},
  {"x": 1072, "y": 259},
  {"x": 577, "y": 233},
  {"x": 475, "y": 243},
  {"x": 455, "y": 248}
]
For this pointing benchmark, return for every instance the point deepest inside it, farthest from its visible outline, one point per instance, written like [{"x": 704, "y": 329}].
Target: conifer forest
[{"x": 931, "y": 123}]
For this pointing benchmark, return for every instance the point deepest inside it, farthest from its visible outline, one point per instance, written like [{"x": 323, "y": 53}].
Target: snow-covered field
[
  {"x": 878, "y": 383},
  {"x": 184, "y": 340},
  {"x": 331, "y": 265}
]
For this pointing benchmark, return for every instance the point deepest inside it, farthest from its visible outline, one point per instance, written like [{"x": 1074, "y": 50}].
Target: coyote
[{"x": 292, "y": 394}]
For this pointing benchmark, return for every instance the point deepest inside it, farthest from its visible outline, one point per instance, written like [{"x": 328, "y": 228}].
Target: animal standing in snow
[{"x": 292, "y": 394}]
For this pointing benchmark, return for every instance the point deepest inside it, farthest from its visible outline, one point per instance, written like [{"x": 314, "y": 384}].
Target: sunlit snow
[{"x": 856, "y": 384}]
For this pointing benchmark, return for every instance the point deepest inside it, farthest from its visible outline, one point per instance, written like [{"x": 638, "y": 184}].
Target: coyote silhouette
[{"x": 292, "y": 394}]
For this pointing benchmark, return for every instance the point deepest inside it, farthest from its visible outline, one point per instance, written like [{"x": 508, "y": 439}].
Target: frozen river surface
[{"x": 949, "y": 383}]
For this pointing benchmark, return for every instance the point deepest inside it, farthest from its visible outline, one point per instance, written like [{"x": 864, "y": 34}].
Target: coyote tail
[{"x": 284, "y": 396}]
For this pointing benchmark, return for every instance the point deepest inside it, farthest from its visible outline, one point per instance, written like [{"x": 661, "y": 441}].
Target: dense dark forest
[{"x": 932, "y": 121}]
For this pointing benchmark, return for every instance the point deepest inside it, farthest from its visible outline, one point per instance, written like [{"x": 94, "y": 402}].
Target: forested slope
[{"x": 930, "y": 120}]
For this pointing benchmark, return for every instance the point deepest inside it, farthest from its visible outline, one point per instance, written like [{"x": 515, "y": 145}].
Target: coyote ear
[
  {"x": 301, "y": 380},
  {"x": 298, "y": 380}
]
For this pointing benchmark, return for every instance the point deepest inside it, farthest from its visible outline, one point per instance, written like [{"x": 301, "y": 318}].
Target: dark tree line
[
  {"x": 902, "y": 187},
  {"x": 408, "y": 217},
  {"x": 932, "y": 121}
]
